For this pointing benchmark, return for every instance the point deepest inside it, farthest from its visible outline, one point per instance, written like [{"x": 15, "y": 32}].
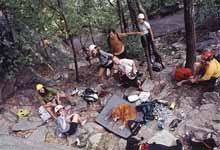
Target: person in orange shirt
[{"x": 115, "y": 42}]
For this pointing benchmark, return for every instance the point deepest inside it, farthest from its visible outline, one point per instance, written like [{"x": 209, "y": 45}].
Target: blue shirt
[
  {"x": 60, "y": 120},
  {"x": 104, "y": 57}
]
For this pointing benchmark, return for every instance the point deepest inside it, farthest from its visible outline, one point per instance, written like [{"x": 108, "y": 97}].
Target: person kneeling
[
  {"x": 127, "y": 72},
  {"x": 67, "y": 125},
  {"x": 206, "y": 72}
]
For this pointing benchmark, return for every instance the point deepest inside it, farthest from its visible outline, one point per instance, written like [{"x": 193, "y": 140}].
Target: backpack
[
  {"x": 147, "y": 109},
  {"x": 134, "y": 127},
  {"x": 90, "y": 95},
  {"x": 132, "y": 144},
  {"x": 157, "y": 67},
  {"x": 182, "y": 73}
]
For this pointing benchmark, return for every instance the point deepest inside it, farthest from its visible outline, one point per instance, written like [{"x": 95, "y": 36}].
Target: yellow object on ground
[
  {"x": 39, "y": 86},
  {"x": 23, "y": 113},
  {"x": 173, "y": 105}
]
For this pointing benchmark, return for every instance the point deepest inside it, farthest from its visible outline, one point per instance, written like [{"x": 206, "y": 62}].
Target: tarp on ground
[{"x": 108, "y": 124}]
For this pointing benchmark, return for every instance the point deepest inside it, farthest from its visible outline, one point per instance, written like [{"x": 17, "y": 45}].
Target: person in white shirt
[
  {"x": 127, "y": 72},
  {"x": 147, "y": 39}
]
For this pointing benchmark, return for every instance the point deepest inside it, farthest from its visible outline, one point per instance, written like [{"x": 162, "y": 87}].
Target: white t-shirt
[
  {"x": 125, "y": 67},
  {"x": 144, "y": 27}
]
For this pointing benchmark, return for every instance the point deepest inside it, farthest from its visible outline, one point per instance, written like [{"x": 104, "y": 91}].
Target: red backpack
[{"x": 182, "y": 74}]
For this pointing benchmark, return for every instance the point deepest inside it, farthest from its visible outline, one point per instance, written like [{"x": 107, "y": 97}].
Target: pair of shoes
[{"x": 79, "y": 143}]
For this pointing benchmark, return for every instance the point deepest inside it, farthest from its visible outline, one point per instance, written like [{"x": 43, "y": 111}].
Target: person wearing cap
[
  {"x": 49, "y": 96},
  {"x": 147, "y": 39},
  {"x": 116, "y": 44},
  {"x": 67, "y": 125},
  {"x": 105, "y": 59},
  {"x": 206, "y": 71}
]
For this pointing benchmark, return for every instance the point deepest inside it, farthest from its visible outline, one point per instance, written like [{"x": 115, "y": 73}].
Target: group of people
[
  {"x": 117, "y": 59},
  {"x": 51, "y": 101},
  {"x": 206, "y": 70}
]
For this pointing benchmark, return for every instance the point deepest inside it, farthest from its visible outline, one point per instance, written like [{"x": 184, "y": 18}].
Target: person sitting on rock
[
  {"x": 67, "y": 125},
  {"x": 105, "y": 59},
  {"x": 50, "y": 97},
  {"x": 116, "y": 44},
  {"x": 206, "y": 72},
  {"x": 127, "y": 72}
]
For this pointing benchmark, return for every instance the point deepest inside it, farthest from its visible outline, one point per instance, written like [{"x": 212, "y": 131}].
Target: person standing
[
  {"x": 147, "y": 39},
  {"x": 115, "y": 42}
]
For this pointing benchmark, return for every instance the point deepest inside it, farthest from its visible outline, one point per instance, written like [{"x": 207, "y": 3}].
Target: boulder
[
  {"x": 92, "y": 127},
  {"x": 163, "y": 137},
  {"x": 148, "y": 85},
  {"x": 24, "y": 125},
  {"x": 38, "y": 135},
  {"x": 95, "y": 139}
]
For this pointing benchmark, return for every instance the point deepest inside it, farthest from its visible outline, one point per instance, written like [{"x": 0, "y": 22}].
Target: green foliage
[
  {"x": 207, "y": 9},
  {"x": 151, "y": 5},
  {"x": 134, "y": 47}
]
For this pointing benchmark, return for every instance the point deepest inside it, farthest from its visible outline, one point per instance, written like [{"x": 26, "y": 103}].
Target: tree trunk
[
  {"x": 119, "y": 11},
  {"x": 123, "y": 22},
  {"x": 140, "y": 7},
  {"x": 91, "y": 33},
  {"x": 133, "y": 13},
  {"x": 135, "y": 7},
  {"x": 75, "y": 58},
  {"x": 70, "y": 37},
  {"x": 190, "y": 33}
]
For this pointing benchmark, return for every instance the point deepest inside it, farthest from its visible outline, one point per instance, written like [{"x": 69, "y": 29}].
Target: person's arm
[
  {"x": 151, "y": 33},
  {"x": 148, "y": 26},
  {"x": 124, "y": 35}
]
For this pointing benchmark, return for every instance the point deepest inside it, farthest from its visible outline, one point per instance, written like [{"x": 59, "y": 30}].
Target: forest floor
[{"x": 199, "y": 111}]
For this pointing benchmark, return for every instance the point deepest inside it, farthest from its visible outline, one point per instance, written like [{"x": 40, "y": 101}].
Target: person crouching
[
  {"x": 127, "y": 72},
  {"x": 105, "y": 59}
]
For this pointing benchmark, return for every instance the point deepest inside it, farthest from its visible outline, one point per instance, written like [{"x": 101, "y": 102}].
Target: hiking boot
[
  {"x": 79, "y": 144},
  {"x": 174, "y": 124}
]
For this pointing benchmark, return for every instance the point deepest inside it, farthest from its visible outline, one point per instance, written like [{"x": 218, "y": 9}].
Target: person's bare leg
[
  {"x": 197, "y": 66},
  {"x": 180, "y": 83},
  {"x": 77, "y": 119},
  {"x": 102, "y": 73},
  {"x": 49, "y": 108}
]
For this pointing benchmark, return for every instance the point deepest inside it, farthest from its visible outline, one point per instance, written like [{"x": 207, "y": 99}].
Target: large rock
[
  {"x": 92, "y": 127},
  {"x": 24, "y": 125},
  {"x": 15, "y": 143},
  {"x": 39, "y": 135},
  {"x": 10, "y": 116},
  {"x": 148, "y": 85},
  {"x": 95, "y": 139},
  {"x": 122, "y": 144},
  {"x": 211, "y": 97},
  {"x": 163, "y": 137}
]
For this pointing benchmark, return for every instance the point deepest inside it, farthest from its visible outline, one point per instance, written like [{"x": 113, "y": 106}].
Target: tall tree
[
  {"x": 133, "y": 13},
  {"x": 70, "y": 37},
  {"x": 123, "y": 22},
  {"x": 190, "y": 33},
  {"x": 135, "y": 7}
]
